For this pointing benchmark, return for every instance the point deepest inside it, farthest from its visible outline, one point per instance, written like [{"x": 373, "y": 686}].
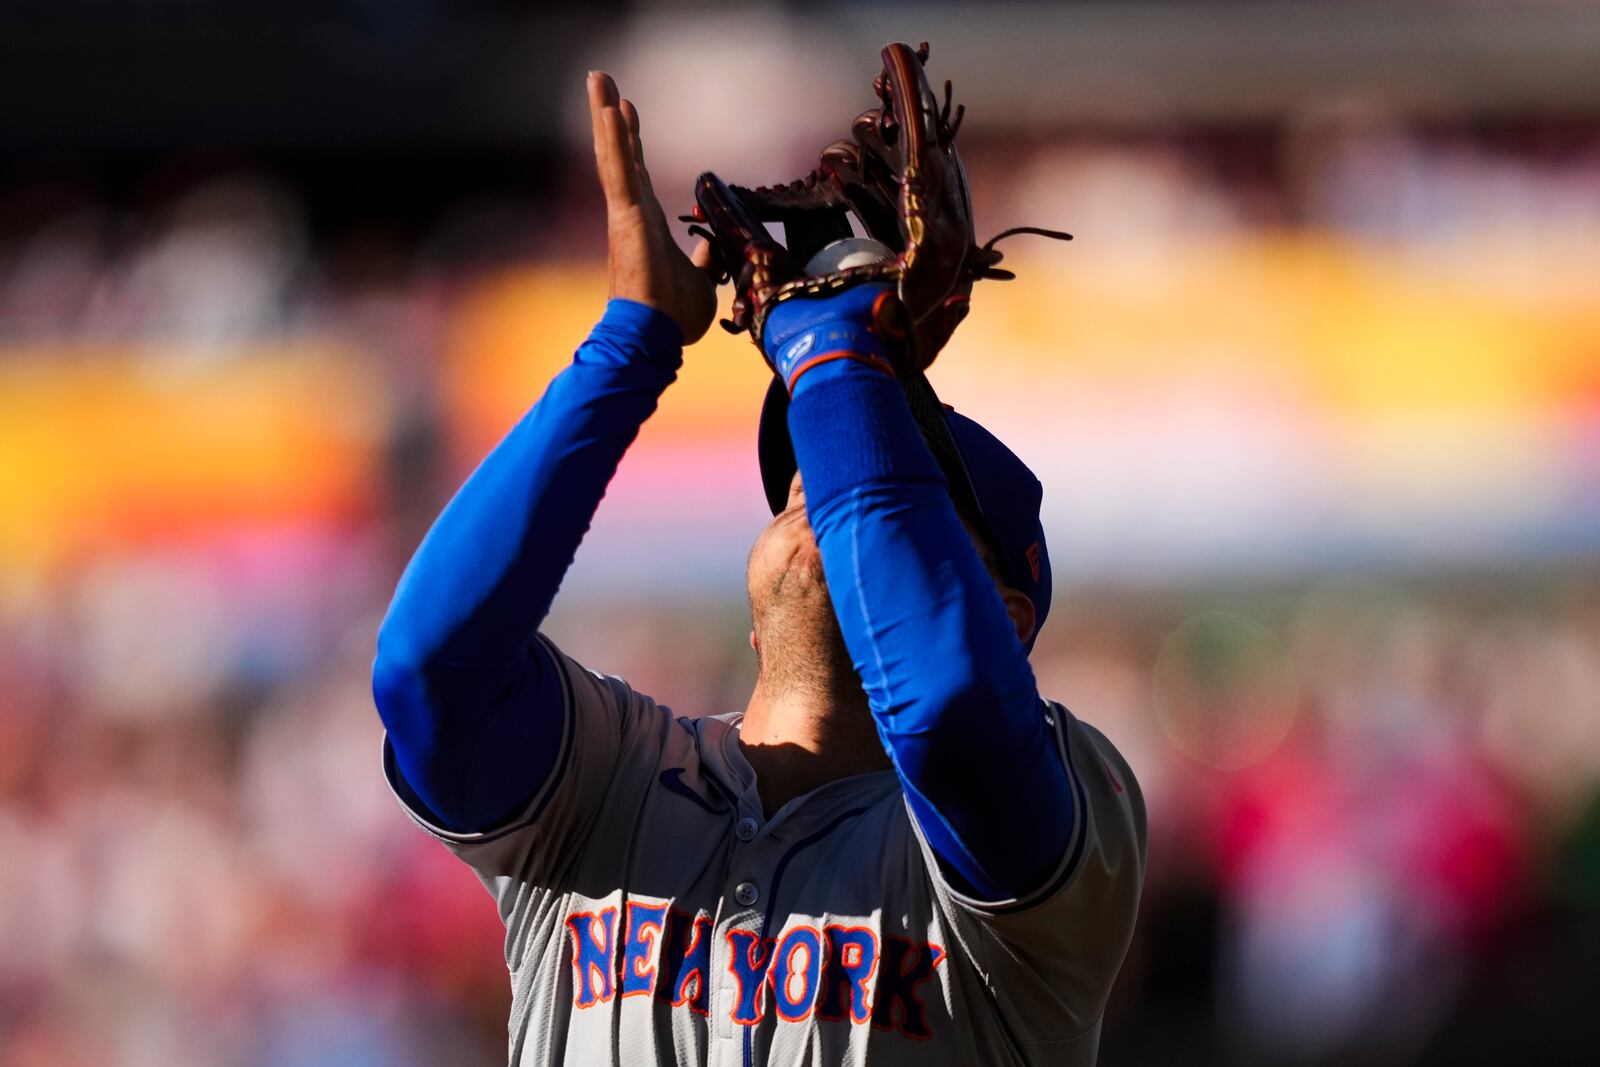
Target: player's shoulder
[
  {"x": 1083, "y": 744},
  {"x": 1111, "y": 822},
  {"x": 588, "y": 686},
  {"x": 635, "y": 727},
  {"x": 586, "y": 683}
]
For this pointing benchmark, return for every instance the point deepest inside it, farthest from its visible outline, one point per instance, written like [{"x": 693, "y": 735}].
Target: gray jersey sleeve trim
[{"x": 541, "y": 799}]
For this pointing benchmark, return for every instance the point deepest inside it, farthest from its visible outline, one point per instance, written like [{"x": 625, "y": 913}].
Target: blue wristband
[{"x": 804, "y": 332}]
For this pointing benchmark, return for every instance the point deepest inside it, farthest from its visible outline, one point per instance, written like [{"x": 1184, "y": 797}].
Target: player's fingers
[
  {"x": 604, "y": 100},
  {"x": 613, "y": 153},
  {"x": 700, "y": 255},
  {"x": 619, "y": 178},
  {"x": 631, "y": 114},
  {"x": 602, "y": 90},
  {"x": 602, "y": 94},
  {"x": 600, "y": 87}
]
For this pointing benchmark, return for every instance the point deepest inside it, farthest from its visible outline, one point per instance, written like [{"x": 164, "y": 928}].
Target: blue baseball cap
[{"x": 993, "y": 490}]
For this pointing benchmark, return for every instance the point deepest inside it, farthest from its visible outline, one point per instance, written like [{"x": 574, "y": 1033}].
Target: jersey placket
[
  {"x": 740, "y": 953},
  {"x": 768, "y": 858}
]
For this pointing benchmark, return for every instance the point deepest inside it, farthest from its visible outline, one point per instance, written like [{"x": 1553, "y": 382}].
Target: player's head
[{"x": 1004, "y": 494}]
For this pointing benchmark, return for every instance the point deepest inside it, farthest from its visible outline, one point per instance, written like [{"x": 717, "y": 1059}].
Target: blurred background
[{"x": 1315, "y": 395}]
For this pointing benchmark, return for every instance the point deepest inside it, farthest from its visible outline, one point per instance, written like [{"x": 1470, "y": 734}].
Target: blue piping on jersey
[
  {"x": 772, "y": 900},
  {"x": 672, "y": 779}
]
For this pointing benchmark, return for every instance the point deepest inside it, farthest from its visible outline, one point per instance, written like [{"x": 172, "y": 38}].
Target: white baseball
[{"x": 847, "y": 252}]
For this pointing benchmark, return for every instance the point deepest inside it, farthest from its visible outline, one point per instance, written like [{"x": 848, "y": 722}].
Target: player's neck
[{"x": 806, "y": 726}]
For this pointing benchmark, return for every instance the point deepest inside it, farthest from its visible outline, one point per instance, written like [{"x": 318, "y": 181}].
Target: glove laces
[{"x": 985, "y": 258}]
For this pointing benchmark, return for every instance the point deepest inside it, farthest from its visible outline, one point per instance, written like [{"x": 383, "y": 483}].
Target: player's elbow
[
  {"x": 425, "y": 748},
  {"x": 400, "y": 682},
  {"x": 395, "y": 683},
  {"x": 391, "y": 668},
  {"x": 410, "y": 659}
]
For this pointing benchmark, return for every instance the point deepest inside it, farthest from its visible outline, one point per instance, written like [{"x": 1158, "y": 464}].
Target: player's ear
[
  {"x": 755, "y": 645},
  {"x": 1020, "y": 608}
]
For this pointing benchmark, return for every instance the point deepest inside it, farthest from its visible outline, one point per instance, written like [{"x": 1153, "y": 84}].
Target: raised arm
[
  {"x": 470, "y": 699},
  {"x": 945, "y": 670}
]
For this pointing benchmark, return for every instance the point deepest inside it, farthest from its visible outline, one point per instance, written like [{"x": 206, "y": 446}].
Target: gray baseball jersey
[{"x": 655, "y": 915}]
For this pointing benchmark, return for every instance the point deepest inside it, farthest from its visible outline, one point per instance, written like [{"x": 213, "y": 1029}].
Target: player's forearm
[
  {"x": 456, "y": 651},
  {"x": 485, "y": 575},
  {"x": 948, "y": 682}
]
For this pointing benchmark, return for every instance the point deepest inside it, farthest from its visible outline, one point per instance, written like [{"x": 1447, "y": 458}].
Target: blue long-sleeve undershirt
[
  {"x": 946, "y": 677},
  {"x": 471, "y": 701}
]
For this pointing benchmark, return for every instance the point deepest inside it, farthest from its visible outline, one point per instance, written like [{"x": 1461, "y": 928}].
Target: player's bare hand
[{"x": 645, "y": 264}]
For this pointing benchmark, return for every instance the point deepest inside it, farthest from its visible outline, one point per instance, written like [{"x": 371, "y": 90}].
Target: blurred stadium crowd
[{"x": 1375, "y": 797}]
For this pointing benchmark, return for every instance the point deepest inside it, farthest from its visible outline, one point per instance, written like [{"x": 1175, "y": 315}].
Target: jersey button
[
  {"x": 746, "y": 829},
  {"x": 746, "y": 893}
]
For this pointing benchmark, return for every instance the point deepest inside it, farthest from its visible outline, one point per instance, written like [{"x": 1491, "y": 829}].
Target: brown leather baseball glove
[{"x": 900, "y": 176}]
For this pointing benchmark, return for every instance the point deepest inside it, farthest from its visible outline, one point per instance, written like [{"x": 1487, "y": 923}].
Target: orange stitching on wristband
[
  {"x": 841, "y": 353},
  {"x": 880, "y": 322}
]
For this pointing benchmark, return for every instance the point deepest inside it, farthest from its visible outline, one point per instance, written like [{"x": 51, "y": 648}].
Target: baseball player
[{"x": 898, "y": 853}]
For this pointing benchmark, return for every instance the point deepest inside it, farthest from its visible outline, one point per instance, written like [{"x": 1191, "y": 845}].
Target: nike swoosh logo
[{"x": 672, "y": 778}]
